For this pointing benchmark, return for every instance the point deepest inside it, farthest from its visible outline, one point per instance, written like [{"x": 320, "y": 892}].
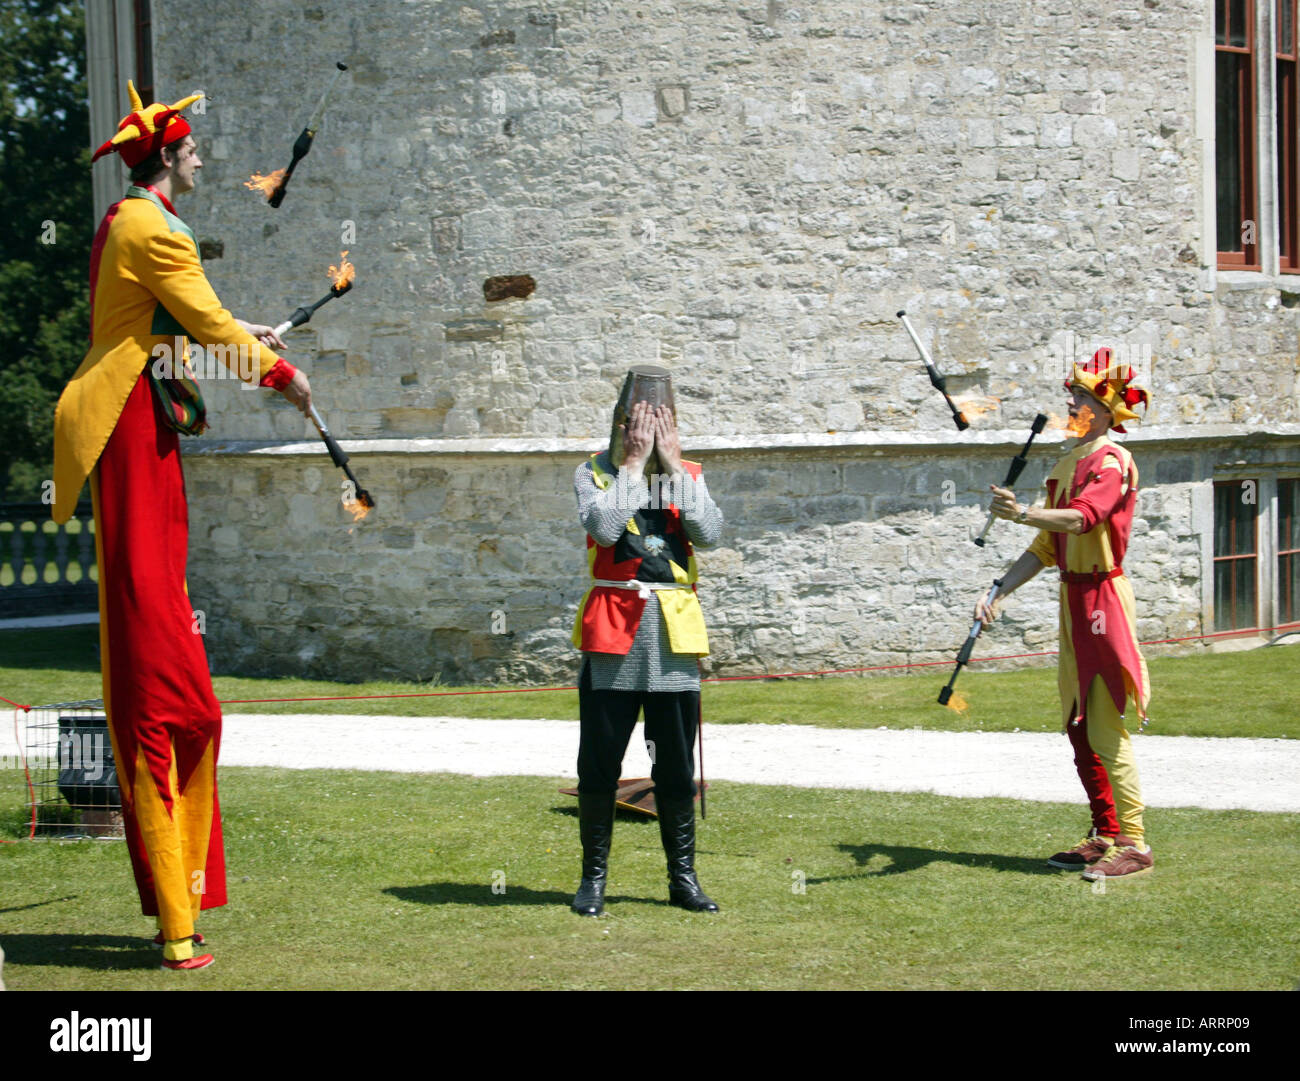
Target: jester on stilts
[
  {"x": 1083, "y": 531},
  {"x": 117, "y": 424}
]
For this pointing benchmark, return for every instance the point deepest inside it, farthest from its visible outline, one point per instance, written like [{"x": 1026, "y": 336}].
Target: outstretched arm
[
  {"x": 171, "y": 271},
  {"x": 1016, "y": 575}
]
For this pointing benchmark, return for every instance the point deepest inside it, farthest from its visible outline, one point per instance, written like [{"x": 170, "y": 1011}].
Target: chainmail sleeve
[
  {"x": 700, "y": 515},
  {"x": 604, "y": 512}
]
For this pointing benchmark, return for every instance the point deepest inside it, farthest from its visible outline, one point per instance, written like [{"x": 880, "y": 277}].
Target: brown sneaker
[
  {"x": 1084, "y": 854},
  {"x": 1124, "y": 858}
]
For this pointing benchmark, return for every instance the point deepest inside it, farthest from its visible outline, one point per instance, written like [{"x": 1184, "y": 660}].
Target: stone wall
[
  {"x": 472, "y": 565},
  {"x": 744, "y": 193}
]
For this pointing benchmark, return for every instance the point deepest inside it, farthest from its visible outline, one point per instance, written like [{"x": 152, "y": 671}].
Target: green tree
[{"x": 46, "y": 228}]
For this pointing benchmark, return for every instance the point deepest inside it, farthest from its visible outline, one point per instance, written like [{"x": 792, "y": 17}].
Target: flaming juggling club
[
  {"x": 963, "y": 657},
  {"x": 937, "y": 380},
  {"x": 341, "y": 459},
  {"x": 303, "y": 315},
  {"x": 1017, "y": 467},
  {"x": 303, "y": 143},
  {"x": 342, "y": 276}
]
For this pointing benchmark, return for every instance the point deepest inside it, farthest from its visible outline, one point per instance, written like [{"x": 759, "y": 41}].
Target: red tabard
[{"x": 610, "y": 618}]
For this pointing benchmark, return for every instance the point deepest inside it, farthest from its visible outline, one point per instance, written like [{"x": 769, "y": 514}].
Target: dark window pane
[
  {"x": 1223, "y": 596},
  {"x": 1237, "y": 23},
  {"x": 1244, "y": 616},
  {"x": 1234, "y": 520},
  {"x": 1234, "y": 594},
  {"x": 1288, "y": 589},
  {"x": 1228, "y": 133},
  {"x": 1286, "y": 160},
  {"x": 1220, "y": 31},
  {"x": 1288, "y": 496},
  {"x": 1285, "y": 42},
  {"x": 1222, "y": 520},
  {"x": 144, "y": 49},
  {"x": 1245, "y": 518},
  {"x": 1234, "y": 517}
]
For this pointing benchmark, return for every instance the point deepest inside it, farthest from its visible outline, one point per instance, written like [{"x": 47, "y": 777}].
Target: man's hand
[
  {"x": 638, "y": 436},
  {"x": 264, "y": 334},
  {"x": 1004, "y": 505},
  {"x": 666, "y": 441},
  {"x": 984, "y": 613},
  {"x": 298, "y": 391}
]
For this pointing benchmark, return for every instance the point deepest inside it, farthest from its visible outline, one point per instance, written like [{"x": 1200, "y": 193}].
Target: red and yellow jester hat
[
  {"x": 144, "y": 132},
  {"x": 1111, "y": 384}
]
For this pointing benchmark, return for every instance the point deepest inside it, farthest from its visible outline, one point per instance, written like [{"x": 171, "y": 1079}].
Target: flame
[
  {"x": 265, "y": 184},
  {"x": 957, "y": 703},
  {"x": 357, "y": 509},
  {"x": 978, "y": 406},
  {"x": 344, "y": 273},
  {"x": 1077, "y": 425}
]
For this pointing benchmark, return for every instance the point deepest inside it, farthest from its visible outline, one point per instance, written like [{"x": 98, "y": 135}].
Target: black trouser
[{"x": 607, "y": 720}]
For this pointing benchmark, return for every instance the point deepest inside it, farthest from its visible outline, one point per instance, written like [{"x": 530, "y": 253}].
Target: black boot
[
  {"x": 596, "y": 828},
  {"x": 677, "y": 829}
]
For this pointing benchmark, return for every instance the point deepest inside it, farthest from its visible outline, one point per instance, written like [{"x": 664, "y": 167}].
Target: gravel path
[{"x": 1176, "y": 771}]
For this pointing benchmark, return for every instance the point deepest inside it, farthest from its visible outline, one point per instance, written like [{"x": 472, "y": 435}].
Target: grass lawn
[
  {"x": 1225, "y": 694},
  {"x": 368, "y": 880}
]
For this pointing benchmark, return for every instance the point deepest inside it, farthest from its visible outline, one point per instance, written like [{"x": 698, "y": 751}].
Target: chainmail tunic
[{"x": 650, "y": 665}]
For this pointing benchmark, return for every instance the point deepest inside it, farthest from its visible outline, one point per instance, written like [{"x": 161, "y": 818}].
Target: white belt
[{"x": 643, "y": 588}]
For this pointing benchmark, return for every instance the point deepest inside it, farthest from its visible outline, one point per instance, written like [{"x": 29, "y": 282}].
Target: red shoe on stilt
[
  {"x": 190, "y": 963},
  {"x": 196, "y": 938}
]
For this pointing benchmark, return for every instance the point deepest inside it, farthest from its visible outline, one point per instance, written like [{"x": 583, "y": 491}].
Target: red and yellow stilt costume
[{"x": 148, "y": 296}]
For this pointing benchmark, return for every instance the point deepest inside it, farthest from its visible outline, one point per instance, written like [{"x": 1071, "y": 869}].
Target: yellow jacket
[{"x": 147, "y": 289}]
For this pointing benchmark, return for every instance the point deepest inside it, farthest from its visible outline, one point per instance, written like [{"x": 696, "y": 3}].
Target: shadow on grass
[
  {"x": 480, "y": 893},
  {"x": 104, "y": 952},
  {"x": 904, "y": 858},
  {"x": 39, "y": 904}
]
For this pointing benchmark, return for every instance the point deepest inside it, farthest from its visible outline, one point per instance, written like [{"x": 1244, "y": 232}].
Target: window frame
[
  {"x": 1286, "y": 105},
  {"x": 1248, "y": 257},
  {"x": 1282, "y": 582},
  {"x": 1235, "y": 483}
]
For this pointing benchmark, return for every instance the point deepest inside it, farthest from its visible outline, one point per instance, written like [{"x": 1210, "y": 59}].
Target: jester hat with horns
[
  {"x": 1110, "y": 384},
  {"x": 143, "y": 132}
]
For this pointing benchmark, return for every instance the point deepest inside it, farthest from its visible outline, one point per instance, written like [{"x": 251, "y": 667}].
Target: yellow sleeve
[
  {"x": 169, "y": 268},
  {"x": 1044, "y": 549}
]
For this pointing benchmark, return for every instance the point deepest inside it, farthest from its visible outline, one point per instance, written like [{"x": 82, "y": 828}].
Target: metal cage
[{"x": 69, "y": 756}]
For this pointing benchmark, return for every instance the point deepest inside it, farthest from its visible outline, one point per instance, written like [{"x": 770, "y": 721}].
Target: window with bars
[
  {"x": 1236, "y": 506},
  {"x": 1288, "y": 550},
  {"x": 1234, "y": 131}
]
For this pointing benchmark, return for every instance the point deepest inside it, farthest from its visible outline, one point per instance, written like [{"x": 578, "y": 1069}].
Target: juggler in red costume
[
  {"x": 1083, "y": 532},
  {"x": 116, "y": 424}
]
